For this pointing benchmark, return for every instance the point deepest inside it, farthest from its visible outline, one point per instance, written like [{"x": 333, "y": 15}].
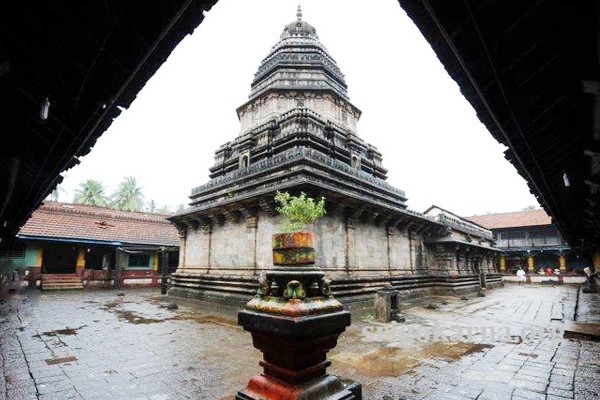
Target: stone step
[
  {"x": 61, "y": 282},
  {"x": 61, "y": 278},
  {"x": 67, "y": 279},
  {"x": 63, "y": 286},
  {"x": 54, "y": 283}
]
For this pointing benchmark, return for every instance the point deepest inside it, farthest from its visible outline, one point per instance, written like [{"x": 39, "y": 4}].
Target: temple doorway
[{"x": 59, "y": 259}]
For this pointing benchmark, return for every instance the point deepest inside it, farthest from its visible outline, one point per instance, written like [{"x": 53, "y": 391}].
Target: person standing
[{"x": 520, "y": 276}]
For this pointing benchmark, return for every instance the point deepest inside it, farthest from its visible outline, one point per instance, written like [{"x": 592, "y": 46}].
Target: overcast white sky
[{"x": 433, "y": 144}]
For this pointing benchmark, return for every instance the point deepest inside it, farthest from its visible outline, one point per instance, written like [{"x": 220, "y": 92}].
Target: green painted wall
[
  {"x": 31, "y": 255},
  {"x": 8, "y": 265}
]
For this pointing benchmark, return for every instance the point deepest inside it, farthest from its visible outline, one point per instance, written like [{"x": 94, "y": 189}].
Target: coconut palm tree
[
  {"x": 91, "y": 193},
  {"x": 128, "y": 196}
]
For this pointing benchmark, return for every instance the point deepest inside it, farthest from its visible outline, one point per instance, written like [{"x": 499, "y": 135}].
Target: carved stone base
[
  {"x": 294, "y": 352},
  {"x": 328, "y": 387}
]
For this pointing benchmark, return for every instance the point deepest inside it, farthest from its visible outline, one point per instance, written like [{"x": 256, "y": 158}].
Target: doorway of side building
[
  {"x": 59, "y": 259},
  {"x": 100, "y": 258}
]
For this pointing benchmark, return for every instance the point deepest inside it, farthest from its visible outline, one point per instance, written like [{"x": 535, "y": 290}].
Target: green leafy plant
[{"x": 298, "y": 211}]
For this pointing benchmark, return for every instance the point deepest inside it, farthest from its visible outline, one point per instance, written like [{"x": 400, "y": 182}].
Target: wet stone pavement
[{"x": 102, "y": 345}]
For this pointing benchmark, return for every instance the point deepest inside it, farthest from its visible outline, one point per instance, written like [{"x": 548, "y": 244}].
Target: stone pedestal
[
  {"x": 387, "y": 305},
  {"x": 294, "y": 320}
]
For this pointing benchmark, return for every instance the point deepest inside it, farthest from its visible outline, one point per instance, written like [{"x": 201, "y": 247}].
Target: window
[
  {"x": 139, "y": 261},
  {"x": 12, "y": 249},
  {"x": 244, "y": 159}
]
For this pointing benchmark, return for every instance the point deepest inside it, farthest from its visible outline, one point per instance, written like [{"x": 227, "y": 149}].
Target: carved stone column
[
  {"x": 294, "y": 320},
  {"x": 562, "y": 263},
  {"x": 530, "y": 264},
  {"x": 350, "y": 244},
  {"x": 502, "y": 263}
]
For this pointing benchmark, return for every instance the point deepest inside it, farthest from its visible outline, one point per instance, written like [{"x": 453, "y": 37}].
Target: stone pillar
[
  {"x": 80, "y": 264},
  {"x": 389, "y": 234},
  {"x": 294, "y": 320},
  {"x": 350, "y": 244},
  {"x": 502, "y": 263},
  {"x": 530, "y": 264},
  {"x": 252, "y": 223},
  {"x": 387, "y": 305},
  {"x": 155, "y": 256},
  {"x": 562, "y": 263},
  {"x": 164, "y": 272},
  {"x": 119, "y": 260},
  {"x": 182, "y": 231}
]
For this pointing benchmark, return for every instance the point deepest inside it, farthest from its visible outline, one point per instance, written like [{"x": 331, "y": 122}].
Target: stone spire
[{"x": 299, "y": 61}]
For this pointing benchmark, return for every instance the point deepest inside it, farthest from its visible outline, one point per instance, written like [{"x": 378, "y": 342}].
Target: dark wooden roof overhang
[
  {"x": 88, "y": 60},
  {"x": 530, "y": 69}
]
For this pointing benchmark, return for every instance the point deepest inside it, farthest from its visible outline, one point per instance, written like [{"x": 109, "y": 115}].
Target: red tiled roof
[
  {"x": 75, "y": 221},
  {"x": 513, "y": 219}
]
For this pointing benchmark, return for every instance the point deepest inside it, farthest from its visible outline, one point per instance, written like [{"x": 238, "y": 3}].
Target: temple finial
[{"x": 299, "y": 13}]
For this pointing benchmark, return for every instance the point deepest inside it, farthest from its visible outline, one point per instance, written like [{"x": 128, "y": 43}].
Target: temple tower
[{"x": 298, "y": 132}]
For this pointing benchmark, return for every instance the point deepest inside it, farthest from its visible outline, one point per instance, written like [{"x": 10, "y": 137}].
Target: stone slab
[{"x": 582, "y": 330}]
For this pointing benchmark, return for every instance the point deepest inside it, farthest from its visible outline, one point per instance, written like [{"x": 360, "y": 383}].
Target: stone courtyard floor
[{"x": 102, "y": 345}]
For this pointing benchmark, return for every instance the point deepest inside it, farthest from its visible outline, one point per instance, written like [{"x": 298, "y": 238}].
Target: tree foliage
[
  {"x": 298, "y": 211},
  {"x": 91, "y": 193},
  {"x": 128, "y": 196}
]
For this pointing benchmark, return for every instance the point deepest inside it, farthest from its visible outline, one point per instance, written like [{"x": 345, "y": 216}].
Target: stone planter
[
  {"x": 293, "y": 248},
  {"x": 294, "y": 320}
]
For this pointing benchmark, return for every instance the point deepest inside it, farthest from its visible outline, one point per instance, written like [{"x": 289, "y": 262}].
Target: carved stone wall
[
  {"x": 343, "y": 248},
  {"x": 195, "y": 251},
  {"x": 273, "y": 105}
]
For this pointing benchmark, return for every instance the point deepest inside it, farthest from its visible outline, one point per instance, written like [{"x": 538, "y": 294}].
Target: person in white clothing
[{"x": 520, "y": 275}]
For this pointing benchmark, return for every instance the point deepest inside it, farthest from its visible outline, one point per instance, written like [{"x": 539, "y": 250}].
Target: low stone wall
[
  {"x": 559, "y": 279},
  {"x": 145, "y": 279},
  {"x": 99, "y": 279}
]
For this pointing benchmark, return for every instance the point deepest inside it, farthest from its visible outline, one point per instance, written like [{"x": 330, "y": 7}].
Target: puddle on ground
[
  {"x": 135, "y": 318},
  {"x": 392, "y": 361},
  {"x": 110, "y": 305},
  {"x": 60, "y": 360},
  {"x": 64, "y": 332},
  {"x": 209, "y": 319}
]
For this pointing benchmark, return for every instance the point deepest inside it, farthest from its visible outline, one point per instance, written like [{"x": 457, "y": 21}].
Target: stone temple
[{"x": 299, "y": 133}]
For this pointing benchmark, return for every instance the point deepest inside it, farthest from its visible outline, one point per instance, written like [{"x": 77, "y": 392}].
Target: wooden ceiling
[
  {"x": 530, "y": 69},
  {"x": 87, "y": 60}
]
